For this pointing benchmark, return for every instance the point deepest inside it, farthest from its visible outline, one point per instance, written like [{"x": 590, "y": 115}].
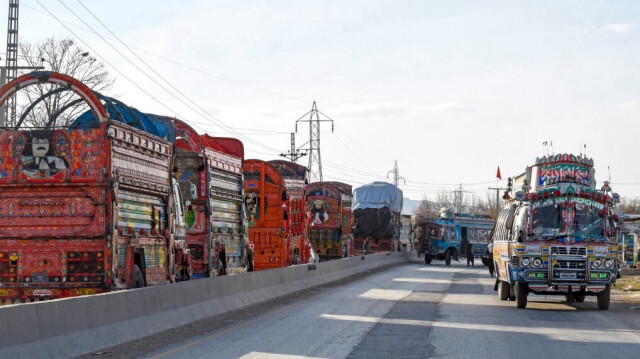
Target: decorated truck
[
  {"x": 209, "y": 173},
  {"x": 295, "y": 179},
  {"x": 89, "y": 207},
  {"x": 558, "y": 235},
  {"x": 446, "y": 237},
  {"x": 266, "y": 206},
  {"x": 329, "y": 211},
  {"x": 376, "y": 209}
]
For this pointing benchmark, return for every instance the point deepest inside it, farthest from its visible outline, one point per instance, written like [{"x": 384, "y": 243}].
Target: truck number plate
[
  {"x": 85, "y": 291},
  {"x": 567, "y": 275}
]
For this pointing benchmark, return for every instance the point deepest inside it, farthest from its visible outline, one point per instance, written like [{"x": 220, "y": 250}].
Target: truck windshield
[{"x": 568, "y": 219}]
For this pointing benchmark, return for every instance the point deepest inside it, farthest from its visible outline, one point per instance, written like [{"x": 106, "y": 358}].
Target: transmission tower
[
  {"x": 10, "y": 71},
  {"x": 396, "y": 175},
  {"x": 294, "y": 153},
  {"x": 315, "y": 163}
]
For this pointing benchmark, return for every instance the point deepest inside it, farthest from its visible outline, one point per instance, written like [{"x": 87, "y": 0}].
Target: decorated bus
[
  {"x": 558, "y": 235},
  {"x": 446, "y": 237}
]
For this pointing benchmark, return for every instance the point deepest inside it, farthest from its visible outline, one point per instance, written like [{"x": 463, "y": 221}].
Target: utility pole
[
  {"x": 294, "y": 153},
  {"x": 396, "y": 217},
  {"x": 458, "y": 199},
  {"x": 498, "y": 189},
  {"x": 11, "y": 62},
  {"x": 10, "y": 70},
  {"x": 396, "y": 175},
  {"x": 315, "y": 163}
]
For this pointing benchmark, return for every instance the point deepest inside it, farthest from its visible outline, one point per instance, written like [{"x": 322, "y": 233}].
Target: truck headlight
[
  {"x": 608, "y": 263},
  {"x": 597, "y": 263},
  {"x": 537, "y": 262},
  {"x": 525, "y": 262}
]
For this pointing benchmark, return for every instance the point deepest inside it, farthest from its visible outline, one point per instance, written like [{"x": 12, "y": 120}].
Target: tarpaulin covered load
[
  {"x": 373, "y": 207},
  {"x": 378, "y": 195}
]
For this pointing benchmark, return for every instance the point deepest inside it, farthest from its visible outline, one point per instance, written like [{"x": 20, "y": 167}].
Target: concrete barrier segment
[{"x": 77, "y": 326}]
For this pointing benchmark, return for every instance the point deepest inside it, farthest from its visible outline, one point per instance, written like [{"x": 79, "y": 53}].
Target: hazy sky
[{"x": 449, "y": 89}]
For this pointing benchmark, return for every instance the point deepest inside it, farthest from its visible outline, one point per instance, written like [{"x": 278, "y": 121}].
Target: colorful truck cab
[
  {"x": 329, "y": 211},
  {"x": 446, "y": 237},
  {"x": 558, "y": 236},
  {"x": 90, "y": 207}
]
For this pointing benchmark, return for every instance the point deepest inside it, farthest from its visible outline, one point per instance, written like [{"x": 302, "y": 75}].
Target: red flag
[{"x": 498, "y": 174}]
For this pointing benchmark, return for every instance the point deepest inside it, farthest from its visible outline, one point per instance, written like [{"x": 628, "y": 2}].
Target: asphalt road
[{"x": 406, "y": 311}]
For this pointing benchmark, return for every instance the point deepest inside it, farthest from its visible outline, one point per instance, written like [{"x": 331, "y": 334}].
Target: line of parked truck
[{"x": 122, "y": 199}]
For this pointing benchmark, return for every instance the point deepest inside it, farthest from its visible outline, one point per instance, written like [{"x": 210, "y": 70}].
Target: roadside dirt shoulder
[{"x": 626, "y": 289}]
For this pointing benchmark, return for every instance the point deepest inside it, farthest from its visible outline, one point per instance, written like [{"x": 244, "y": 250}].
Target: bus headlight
[
  {"x": 608, "y": 263},
  {"x": 525, "y": 262},
  {"x": 537, "y": 262},
  {"x": 597, "y": 263}
]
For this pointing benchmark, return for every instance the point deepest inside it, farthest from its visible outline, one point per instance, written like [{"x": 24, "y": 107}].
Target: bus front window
[{"x": 547, "y": 220}]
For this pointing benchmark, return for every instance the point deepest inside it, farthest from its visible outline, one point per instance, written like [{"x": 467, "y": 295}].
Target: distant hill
[{"x": 409, "y": 205}]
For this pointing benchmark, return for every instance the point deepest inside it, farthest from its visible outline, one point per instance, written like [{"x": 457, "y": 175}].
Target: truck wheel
[
  {"x": 503, "y": 290},
  {"x": 138, "y": 280},
  {"x": 522, "y": 291},
  {"x": 604, "y": 298},
  {"x": 579, "y": 298},
  {"x": 447, "y": 258},
  {"x": 427, "y": 258}
]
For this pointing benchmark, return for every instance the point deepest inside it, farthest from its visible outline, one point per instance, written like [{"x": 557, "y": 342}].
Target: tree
[
  {"x": 63, "y": 56},
  {"x": 456, "y": 201},
  {"x": 629, "y": 205}
]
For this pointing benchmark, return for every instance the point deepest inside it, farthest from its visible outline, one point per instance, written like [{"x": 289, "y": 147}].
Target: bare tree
[
  {"x": 458, "y": 202},
  {"x": 629, "y": 205},
  {"x": 63, "y": 56}
]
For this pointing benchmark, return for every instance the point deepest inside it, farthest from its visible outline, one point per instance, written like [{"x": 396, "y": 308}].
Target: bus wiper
[{"x": 563, "y": 235}]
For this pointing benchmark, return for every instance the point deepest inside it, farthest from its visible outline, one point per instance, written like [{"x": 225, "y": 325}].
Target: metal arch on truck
[{"x": 38, "y": 77}]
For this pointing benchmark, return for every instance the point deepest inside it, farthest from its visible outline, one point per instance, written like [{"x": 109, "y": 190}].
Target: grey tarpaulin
[{"x": 377, "y": 195}]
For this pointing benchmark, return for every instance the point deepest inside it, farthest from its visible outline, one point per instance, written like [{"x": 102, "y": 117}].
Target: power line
[
  {"x": 219, "y": 122},
  {"x": 240, "y": 84}
]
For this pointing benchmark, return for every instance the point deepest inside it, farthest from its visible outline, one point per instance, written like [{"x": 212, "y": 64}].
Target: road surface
[{"x": 407, "y": 311}]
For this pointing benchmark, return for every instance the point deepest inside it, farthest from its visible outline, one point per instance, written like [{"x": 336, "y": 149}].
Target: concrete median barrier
[{"x": 74, "y": 326}]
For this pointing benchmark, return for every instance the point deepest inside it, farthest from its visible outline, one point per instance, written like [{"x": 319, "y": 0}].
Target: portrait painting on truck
[{"x": 43, "y": 153}]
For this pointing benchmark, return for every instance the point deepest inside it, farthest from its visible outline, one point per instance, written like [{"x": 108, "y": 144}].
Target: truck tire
[
  {"x": 522, "y": 291},
  {"x": 447, "y": 258},
  {"x": 138, "y": 280},
  {"x": 604, "y": 298},
  {"x": 503, "y": 290},
  {"x": 427, "y": 258},
  {"x": 579, "y": 298}
]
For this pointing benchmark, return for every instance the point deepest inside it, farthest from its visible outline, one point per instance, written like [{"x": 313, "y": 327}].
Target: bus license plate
[{"x": 568, "y": 276}]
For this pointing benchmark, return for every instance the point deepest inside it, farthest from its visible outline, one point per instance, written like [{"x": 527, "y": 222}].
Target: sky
[{"x": 449, "y": 89}]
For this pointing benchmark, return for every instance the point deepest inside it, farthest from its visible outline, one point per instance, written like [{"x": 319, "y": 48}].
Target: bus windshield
[{"x": 558, "y": 220}]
